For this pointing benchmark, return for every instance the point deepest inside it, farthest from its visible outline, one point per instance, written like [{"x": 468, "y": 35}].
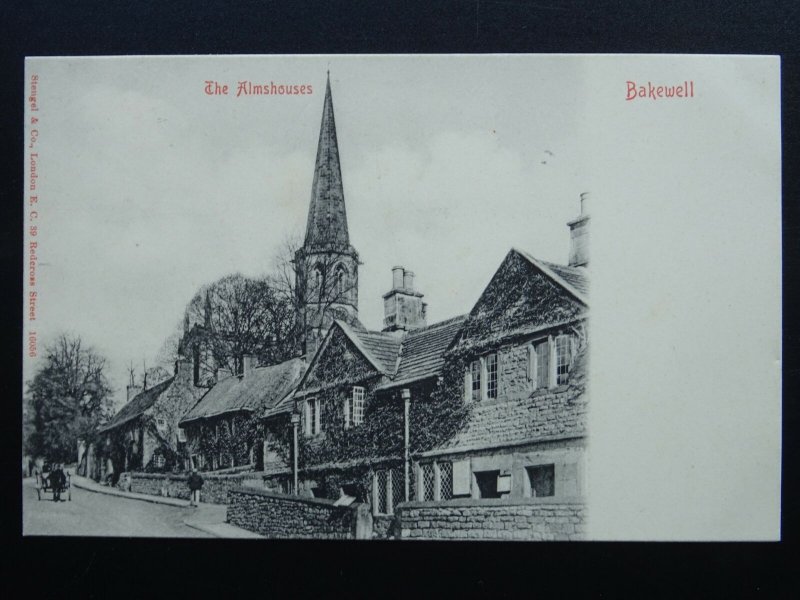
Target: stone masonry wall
[
  {"x": 215, "y": 487},
  {"x": 282, "y": 516},
  {"x": 539, "y": 519}
]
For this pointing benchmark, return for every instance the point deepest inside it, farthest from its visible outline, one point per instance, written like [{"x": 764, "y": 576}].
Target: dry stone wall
[
  {"x": 215, "y": 487},
  {"x": 539, "y": 519},
  {"x": 283, "y": 516}
]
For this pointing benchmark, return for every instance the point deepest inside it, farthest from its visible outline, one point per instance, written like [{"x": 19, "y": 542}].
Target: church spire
[{"x": 327, "y": 218}]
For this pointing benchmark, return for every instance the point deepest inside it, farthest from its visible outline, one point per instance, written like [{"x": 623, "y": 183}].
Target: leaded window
[
  {"x": 428, "y": 482},
  {"x": 445, "y": 480},
  {"x": 381, "y": 492},
  {"x": 398, "y": 486},
  {"x": 491, "y": 376}
]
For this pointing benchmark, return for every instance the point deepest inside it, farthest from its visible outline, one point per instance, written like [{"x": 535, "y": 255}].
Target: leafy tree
[{"x": 69, "y": 396}]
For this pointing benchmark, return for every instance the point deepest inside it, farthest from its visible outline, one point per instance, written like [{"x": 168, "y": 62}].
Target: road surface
[{"x": 94, "y": 514}]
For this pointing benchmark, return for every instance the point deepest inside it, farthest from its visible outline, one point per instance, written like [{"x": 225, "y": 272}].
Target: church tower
[{"x": 326, "y": 266}]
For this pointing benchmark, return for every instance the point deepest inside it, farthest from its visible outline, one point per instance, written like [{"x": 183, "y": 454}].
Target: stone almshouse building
[{"x": 424, "y": 423}]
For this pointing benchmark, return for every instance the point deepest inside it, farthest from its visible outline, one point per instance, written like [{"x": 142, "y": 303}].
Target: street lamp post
[
  {"x": 295, "y": 423},
  {"x": 406, "y": 395}
]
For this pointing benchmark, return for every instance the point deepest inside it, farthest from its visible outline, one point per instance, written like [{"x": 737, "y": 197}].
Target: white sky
[{"x": 150, "y": 189}]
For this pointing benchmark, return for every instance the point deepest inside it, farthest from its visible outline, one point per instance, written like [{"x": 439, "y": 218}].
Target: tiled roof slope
[
  {"x": 383, "y": 346},
  {"x": 140, "y": 403},
  {"x": 539, "y": 416},
  {"x": 575, "y": 276},
  {"x": 421, "y": 355},
  {"x": 261, "y": 389}
]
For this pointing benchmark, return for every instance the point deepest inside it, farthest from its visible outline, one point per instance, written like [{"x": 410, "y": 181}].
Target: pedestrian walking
[
  {"x": 195, "y": 483},
  {"x": 57, "y": 482}
]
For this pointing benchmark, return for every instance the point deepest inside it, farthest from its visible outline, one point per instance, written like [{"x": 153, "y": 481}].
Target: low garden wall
[
  {"x": 276, "y": 515},
  {"x": 215, "y": 485},
  {"x": 537, "y": 519}
]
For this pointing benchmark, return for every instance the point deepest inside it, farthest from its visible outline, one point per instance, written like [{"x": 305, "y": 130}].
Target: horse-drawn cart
[{"x": 45, "y": 486}]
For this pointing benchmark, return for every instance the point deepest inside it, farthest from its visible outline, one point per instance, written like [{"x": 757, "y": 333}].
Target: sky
[{"x": 149, "y": 189}]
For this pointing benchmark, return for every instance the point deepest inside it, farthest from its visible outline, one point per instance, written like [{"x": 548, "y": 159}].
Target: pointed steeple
[{"x": 327, "y": 218}]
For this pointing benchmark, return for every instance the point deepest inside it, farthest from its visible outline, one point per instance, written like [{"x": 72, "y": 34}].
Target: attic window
[{"x": 161, "y": 423}]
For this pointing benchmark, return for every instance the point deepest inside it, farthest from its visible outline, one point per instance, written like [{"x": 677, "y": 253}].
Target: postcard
[{"x": 351, "y": 297}]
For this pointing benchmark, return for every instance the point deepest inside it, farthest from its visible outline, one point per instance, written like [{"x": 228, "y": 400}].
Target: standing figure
[
  {"x": 57, "y": 481},
  {"x": 195, "y": 483}
]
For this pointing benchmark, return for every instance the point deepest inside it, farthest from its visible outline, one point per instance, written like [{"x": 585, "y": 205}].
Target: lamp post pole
[
  {"x": 406, "y": 395},
  {"x": 295, "y": 423}
]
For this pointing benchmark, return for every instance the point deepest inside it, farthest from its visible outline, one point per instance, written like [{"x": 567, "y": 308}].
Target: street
[{"x": 94, "y": 514}]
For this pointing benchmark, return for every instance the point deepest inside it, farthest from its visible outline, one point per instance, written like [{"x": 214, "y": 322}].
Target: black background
[{"x": 101, "y": 568}]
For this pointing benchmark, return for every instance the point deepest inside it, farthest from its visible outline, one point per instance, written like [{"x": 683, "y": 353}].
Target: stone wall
[
  {"x": 533, "y": 519},
  {"x": 215, "y": 486},
  {"x": 282, "y": 516}
]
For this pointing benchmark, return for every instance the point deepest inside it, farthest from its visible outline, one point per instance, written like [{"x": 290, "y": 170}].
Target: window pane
[
  {"x": 380, "y": 481},
  {"x": 487, "y": 483},
  {"x": 491, "y": 376},
  {"x": 358, "y": 405},
  {"x": 563, "y": 358},
  {"x": 542, "y": 364},
  {"x": 476, "y": 380},
  {"x": 428, "y": 482},
  {"x": 445, "y": 480},
  {"x": 398, "y": 486},
  {"x": 542, "y": 480}
]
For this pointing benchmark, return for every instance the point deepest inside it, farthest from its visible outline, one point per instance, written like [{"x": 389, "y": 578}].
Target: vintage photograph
[
  {"x": 317, "y": 297},
  {"x": 347, "y": 297}
]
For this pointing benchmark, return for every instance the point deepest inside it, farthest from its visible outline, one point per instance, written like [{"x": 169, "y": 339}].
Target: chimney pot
[
  {"x": 584, "y": 198},
  {"x": 397, "y": 277},
  {"x": 408, "y": 280}
]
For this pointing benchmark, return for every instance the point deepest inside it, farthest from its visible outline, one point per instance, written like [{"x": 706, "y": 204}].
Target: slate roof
[
  {"x": 421, "y": 355},
  {"x": 137, "y": 406},
  {"x": 261, "y": 389}
]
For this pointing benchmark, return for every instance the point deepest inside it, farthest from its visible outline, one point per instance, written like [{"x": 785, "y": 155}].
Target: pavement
[{"x": 210, "y": 518}]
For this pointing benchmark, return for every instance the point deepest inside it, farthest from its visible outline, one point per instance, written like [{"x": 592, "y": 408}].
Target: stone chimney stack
[
  {"x": 579, "y": 236},
  {"x": 403, "y": 307},
  {"x": 184, "y": 369},
  {"x": 248, "y": 364}
]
